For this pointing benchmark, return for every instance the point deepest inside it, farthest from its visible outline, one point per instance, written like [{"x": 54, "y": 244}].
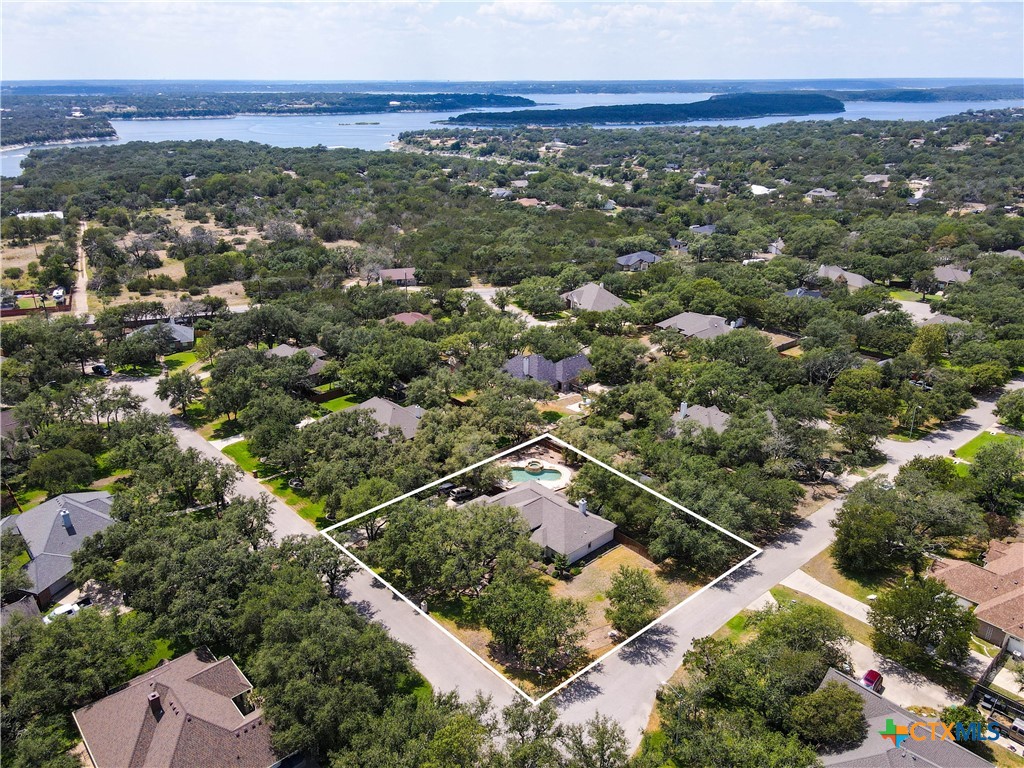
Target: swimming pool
[{"x": 520, "y": 475}]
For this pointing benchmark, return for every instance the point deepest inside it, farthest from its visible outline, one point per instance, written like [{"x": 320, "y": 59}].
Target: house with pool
[{"x": 556, "y": 524}]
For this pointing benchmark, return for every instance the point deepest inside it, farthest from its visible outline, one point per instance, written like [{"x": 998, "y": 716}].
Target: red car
[{"x": 872, "y": 680}]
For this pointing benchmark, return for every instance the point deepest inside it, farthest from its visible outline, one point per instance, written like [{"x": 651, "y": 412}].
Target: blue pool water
[{"x": 520, "y": 475}]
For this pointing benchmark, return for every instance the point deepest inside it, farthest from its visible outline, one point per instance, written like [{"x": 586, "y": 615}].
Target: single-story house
[
  {"x": 694, "y": 325},
  {"x": 802, "y": 293},
  {"x": 520, "y": 184},
  {"x": 775, "y": 249},
  {"x": 609, "y": 205},
  {"x": 556, "y": 524},
  {"x": 287, "y": 350},
  {"x": 703, "y": 229},
  {"x": 561, "y": 375},
  {"x": 592, "y": 297},
  {"x": 634, "y": 262},
  {"x": 402, "y": 276},
  {"x": 184, "y": 336},
  {"x": 945, "y": 276},
  {"x": 708, "y": 190},
  {"x": 937, "y": 318},
  {"x": 52, "y": 531},
  {"x": 190, "y": 711},
  {"x": 528, "y": 202},
  {"x": 877, "y": 751},
  {"x": 709, "y": 418},
  {"x": 820, "y": 193},
  {"x": 500, "y": 193},
  {"x": 410, "y": 318},
  {"x": 995, "y": 591},
  {"x": 677, "y": 245},
  {"x": 882, "y": 179},
  {"x": 406, "y": 418},
  {"x": 853, "y": 281}
]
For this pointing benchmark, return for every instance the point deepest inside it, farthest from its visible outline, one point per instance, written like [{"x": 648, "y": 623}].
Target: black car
[{"x": 101, "y": 370}]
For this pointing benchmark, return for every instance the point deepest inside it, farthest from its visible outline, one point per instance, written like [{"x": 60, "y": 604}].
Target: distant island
[
  {"x": 976, "y": 92},
  {"x": 722, "y": 107},
  {"x": 39, "y": 119}
]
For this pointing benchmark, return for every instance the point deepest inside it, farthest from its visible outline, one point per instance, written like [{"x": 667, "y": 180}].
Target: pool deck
[{"x": 564, "y": 473}]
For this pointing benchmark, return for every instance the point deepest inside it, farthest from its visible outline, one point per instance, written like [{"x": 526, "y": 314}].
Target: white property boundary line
[{"x": 494, "y": 670}]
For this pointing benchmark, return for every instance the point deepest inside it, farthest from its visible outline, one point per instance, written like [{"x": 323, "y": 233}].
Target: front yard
[{"x": 970, "y": 450}]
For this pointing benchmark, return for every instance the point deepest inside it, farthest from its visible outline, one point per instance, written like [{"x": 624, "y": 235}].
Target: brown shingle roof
[
  {"x": 198, "y": 723},
  {"x": 997, "y": 589}
]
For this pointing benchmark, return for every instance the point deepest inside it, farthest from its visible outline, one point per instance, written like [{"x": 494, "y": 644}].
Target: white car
[{"x": 66, "y": 610}]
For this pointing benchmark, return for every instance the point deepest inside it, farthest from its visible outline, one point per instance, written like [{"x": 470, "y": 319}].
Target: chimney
[
  {"x": 682, "y": 410},
  {"x": 154, "y": 704},
  {"x": 65, "y": 519},
  {"x": 583, "y": 506},
  {"x": 526, "y": 365}
]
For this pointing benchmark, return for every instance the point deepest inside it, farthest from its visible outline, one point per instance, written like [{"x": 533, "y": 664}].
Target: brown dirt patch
[{"x": 815, "y": 497}]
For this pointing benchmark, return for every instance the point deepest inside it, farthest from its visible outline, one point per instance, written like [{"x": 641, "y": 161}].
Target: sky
[{"x": 508, "y": 40}]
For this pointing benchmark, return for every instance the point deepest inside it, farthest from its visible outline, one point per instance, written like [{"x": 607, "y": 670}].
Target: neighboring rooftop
[
  {"x": 287, "y": 350},
  {"x": 392, "y": 414},
  {"x": 640, "y": 257},
  {"x": 704, "y": 229},
  {"x": 185, "y": 713},
  {"x": 821, "y": 192},
  {"x": 875, "y": 751},
  {"x": 411, "y": 318},
  {"x": 997, "y": 588},
  {"x": 802, "y": 293},
  {"x": 838, "y": 274},
  {"x": 55, "y": 529},
  {"x": 946, "y": 274},
  {"x": 554, "y": 521},
  {"x": 697, "y": 326},
  {"x": 593, "y": 298},
  {"x": 709, "y": 418},
  {"x": 538, "y": 367},
  {"x": 398, "y": 275},
  {"x": 182, "y": 334},
  {"x": 938, "y": 318}
]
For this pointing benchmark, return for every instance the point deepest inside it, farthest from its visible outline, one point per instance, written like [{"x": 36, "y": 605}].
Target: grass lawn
[
  {"x": 30, "y": 497},
  {"x": 823, "y": 568},
  {"x": 299, "y": 500},
  {"x": 902, "y": 433},
  {"x": 327, "y": 387},
  {"x": 901, "y": 295},
  {"x": 340, "y": 403},
  {"x": 970, "y": 450},
  {"x": 239, "y": 453},
  {"x": 735, "y": 629},
  {"x": 180, "y": 360},
  {"x": 162, "y": 649},
  {"x": 140, "y": 370},
  {"x": 220, "y": 428}
]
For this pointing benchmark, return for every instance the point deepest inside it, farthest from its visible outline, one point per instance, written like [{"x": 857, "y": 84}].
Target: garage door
[{"x": 1015, "y": 645}]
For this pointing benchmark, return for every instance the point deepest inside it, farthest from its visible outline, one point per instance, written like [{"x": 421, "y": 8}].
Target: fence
[{"x": 633, "y": 545}]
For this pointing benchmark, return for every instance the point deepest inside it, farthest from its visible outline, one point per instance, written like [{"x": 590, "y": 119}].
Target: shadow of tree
[{"x": 651, "y": 647}]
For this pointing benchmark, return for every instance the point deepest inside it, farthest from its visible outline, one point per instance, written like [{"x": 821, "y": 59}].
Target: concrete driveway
[{"x": 900, "y": 685}]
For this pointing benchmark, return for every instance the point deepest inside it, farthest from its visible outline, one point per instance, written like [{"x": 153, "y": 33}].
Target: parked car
[
  {"x": 872, "y": 680},
  {"x": 296, "y": 483},
  {"x": 66, "y": 610},
  {"x": 462, "y": 493},
  {"x": 59, "y": 294},
  {"x": 445, "y": 488},
  {"x": 101, "y": 370}
]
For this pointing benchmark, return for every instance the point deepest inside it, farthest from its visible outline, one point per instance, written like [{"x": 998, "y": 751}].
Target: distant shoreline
[{"x": 37, "y": 144}]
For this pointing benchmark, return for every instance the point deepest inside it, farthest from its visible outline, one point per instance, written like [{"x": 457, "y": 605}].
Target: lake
[{"x": 342, "y": 131}]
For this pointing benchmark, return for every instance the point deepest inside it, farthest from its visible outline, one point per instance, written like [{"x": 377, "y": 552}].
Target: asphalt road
[{"x": 625, "y": 685}]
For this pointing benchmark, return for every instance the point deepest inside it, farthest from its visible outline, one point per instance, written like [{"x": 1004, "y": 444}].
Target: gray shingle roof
[
  {"x": 852, "y": 279},
  {"x": 49, "y": 542},
  {"x": 876, "y": 752},
  {"x": 394, "y": 415},
  {"x": 183, "y": 334},
  {"x": 593, "y": 298},
  {"x": 704, "y": 229},
  {"x": 540, "y": 368},
  {"x": 631, "y": 259},
  {"x": 554, "y": 521},
  {"x": 198, "y": 724},
  {"x": 948, "y": 274},
  {"x": 710, "y": 418},
  {"x": 802, "y": 293},
  {"x": 696, "y": 325}
]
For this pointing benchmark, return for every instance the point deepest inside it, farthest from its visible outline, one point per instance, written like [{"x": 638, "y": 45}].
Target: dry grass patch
[
  {"x": 815, "y": 497},
  {"x": 592, "y": 585}
]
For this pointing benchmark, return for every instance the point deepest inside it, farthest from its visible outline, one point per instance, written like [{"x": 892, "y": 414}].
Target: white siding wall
[{"x": 595, "y": 544}]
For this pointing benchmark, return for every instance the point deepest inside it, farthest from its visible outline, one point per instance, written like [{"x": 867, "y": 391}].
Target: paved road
[
  {"x": 284, "y": 520},
  {"x": 624, "y": 686},
  {"x": 487, "y": 294}
]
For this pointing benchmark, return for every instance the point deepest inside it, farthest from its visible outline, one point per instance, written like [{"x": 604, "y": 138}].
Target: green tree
[
  {"x": 830, "y": 718},
  {"x": 12, "y": 555},
  {"x": 181, "y": 389},
  {"x": 923, "y": 614},
  {"x": 930, "y": 343},
  {"x": 1010, "y": 409},
  {"x": 598, "y": 743},
  {"x": 961, "y": 713},
  {"x": 635, "y": 599},
  {"x": 61, "y": 470},
  {"x": 997, "y": 474}
]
